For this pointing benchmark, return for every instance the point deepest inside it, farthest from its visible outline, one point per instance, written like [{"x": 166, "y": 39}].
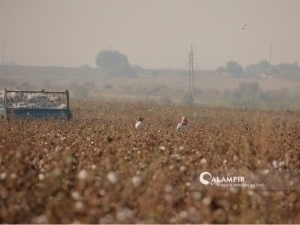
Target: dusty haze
[{"x": 153, "y": 34}]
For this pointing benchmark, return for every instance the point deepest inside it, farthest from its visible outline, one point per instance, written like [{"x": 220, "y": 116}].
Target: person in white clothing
[
  {"x": 183, "y": 125},
  {"x": 139, "y": 124}
]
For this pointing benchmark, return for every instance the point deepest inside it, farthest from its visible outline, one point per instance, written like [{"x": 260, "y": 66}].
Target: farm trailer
[{"x": 35, "y": 104}]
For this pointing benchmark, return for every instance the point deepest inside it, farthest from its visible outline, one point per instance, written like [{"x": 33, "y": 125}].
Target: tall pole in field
[
  {"x": 191, "y": 73},
  {"x": 190, "y": 91}
]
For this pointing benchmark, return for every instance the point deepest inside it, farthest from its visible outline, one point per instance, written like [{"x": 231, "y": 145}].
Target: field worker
[
  {"x": 183, "y": 125},
  {"x": 139, "y": 123}
]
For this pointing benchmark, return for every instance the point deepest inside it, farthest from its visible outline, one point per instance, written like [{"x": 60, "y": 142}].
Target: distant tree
[
  {"x": 121, "y": 70},
  {"x": 109, "y": 59},
  {"x": 115, "y": 64},
  {"x": 246, "y": 94},
  {"x": 288, "y": 68},
  {"x": 263, "y": 67},
  {"x": 234, "y": 68},
  {"x": 252, "y": 70},
  {"x": 220, "y": 70}
]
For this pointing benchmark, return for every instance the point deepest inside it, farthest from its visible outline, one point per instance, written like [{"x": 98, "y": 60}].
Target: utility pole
[
  {"x": 270, "y": 53},
  {"x": 109, "y": 56},
  {"x": 191, "y": 73},
  {"x": 3, "y": 53}
]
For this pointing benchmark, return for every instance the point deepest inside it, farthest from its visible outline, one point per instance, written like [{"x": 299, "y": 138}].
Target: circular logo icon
[{"x": 202, "y": 180}]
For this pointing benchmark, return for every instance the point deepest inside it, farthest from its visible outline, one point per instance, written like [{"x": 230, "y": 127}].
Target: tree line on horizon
[
  {"x": 261, "y": 68},
  {"x": 114, "y": 63}
]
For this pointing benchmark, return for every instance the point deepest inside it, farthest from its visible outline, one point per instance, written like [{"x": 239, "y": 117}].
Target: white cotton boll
[
  {"x": 183, "y": 214},
  {"x": 266, "y": 171},
  {"x": 168, "y": 188},
  {"x": 124, "y": 214},
  {"x": 79, "y": 205},
  {"x": 177, "y": 156},
  {"x": 281, "y": 164},
  {"x": 206, "y": 201},
  {"x": 3, "y": 176},
  {"x": 250, "y": 193},
  {"x": 275, "y": 164},
  {"x": 182, "y": 168},
  {"x": 102, "y": 192},
  {"x": 13, "y": 176},
  {"x": 162, "y": 148},
  {"x": 203, "y": 161},
  {"x": 82, "y": 175},
  {"x": 76, "y": 195},
  {"x": 41, "y": 176},
  {"x": 136, "y": 180},
  {"x": 197, "y": 195},
  {"x": 42, "y": 219},
  {"x": 58, "y": 148},
  {"x": 112, "y": 177}
]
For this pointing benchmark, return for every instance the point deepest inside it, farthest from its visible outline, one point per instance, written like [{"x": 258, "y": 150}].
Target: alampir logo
[{"x": 206, "y": 178}]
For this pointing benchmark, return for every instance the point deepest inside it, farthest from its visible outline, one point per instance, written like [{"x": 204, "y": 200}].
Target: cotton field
[{"x": 98, "y": 168}]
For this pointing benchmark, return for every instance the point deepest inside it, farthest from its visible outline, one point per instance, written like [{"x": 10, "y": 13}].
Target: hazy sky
[{"x": 151, "y": 33}]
